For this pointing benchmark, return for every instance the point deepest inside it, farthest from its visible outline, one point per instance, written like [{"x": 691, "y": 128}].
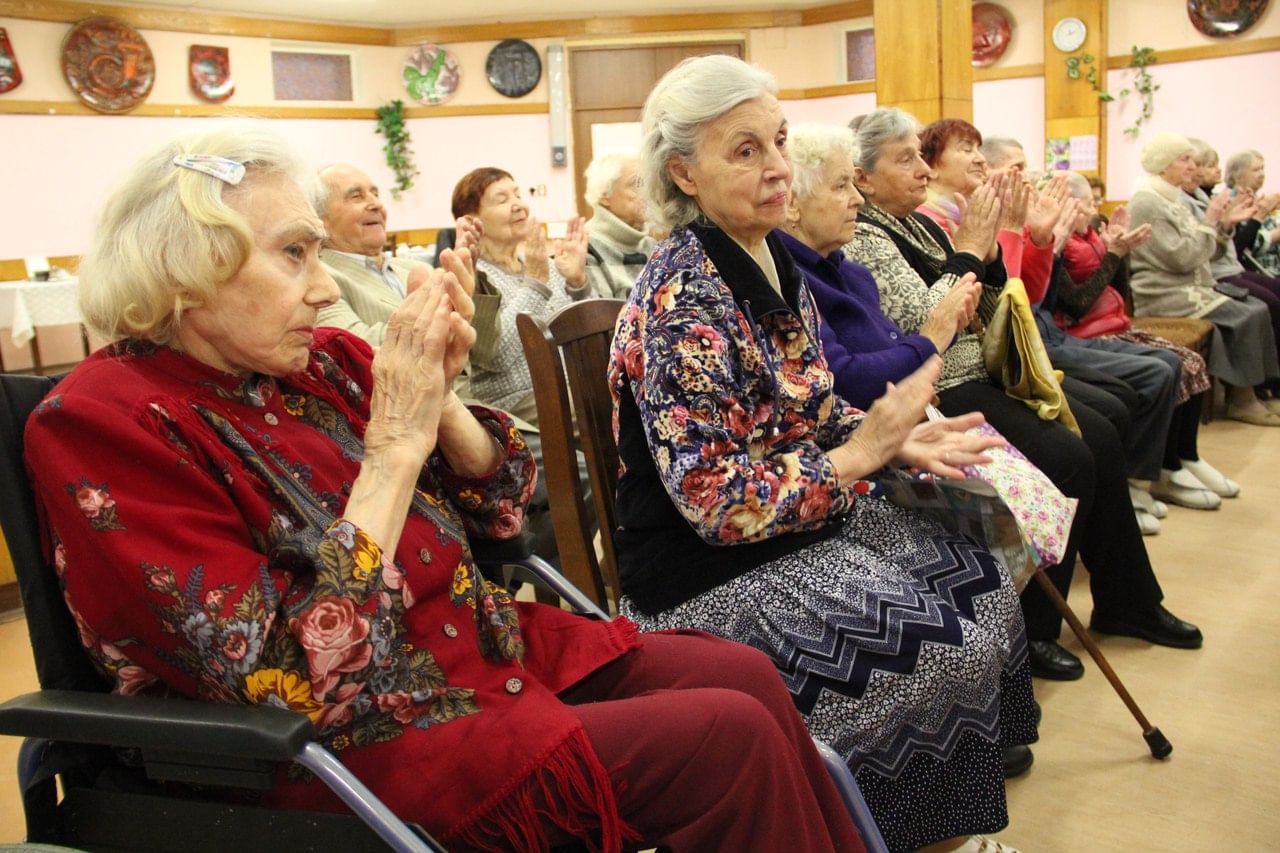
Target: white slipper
[
  {"x": 1182, "y": 488},
  {"x": 1147, "y": 523},
  {"x": 1212, "y": 478},
  {"x": 1142, "y": 500},
  {"x": 982, "y": 844}
]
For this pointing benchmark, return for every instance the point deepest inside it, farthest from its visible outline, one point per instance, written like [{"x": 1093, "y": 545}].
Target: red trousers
[{"x": 707, "y": 752}]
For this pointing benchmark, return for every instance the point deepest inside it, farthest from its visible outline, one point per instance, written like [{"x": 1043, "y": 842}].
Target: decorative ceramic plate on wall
[
  {"x": 209, "y": 70},
  {"x": 1225, "y": 18},
  {"x": 992, "y": 30},
  {"x": 108, "y": 65},
  {"x": 431, "y": 74},
  {"x": 10, "y": 73},
  {"x": 513, "y": 68}
]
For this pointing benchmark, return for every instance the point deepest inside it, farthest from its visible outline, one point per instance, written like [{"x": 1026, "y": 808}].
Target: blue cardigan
[{"x": 864, "y": 349}]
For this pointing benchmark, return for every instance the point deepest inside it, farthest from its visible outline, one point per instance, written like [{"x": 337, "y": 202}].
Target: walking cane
[{"x": 1156, "y": 741}]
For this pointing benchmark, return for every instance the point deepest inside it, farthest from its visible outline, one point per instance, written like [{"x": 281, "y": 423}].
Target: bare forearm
[
  {"x": 464, "y": 442},
  {"x": 381, "y": 493}
]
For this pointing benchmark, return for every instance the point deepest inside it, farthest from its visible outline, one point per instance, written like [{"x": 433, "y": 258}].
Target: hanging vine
[
  {"x": 399, "y": 155},
  {"x": 1143, "y": 83}
]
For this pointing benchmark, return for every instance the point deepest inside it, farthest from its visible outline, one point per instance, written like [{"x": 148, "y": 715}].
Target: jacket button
[
  {"x": 514, "y": 685},
  {"x": 270, "y": 418},
  {"x": 450, "y": 631}
]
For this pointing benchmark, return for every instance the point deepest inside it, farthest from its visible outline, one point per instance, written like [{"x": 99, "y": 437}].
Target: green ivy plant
[
  {"x": 399, "y": 155},
  {"x": 1143, "y": 83}
]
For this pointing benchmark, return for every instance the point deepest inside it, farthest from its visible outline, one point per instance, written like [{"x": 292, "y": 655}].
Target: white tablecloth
[{"x": 27, "y": 304}]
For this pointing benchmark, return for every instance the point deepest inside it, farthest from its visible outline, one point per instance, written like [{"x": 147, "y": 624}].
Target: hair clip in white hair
[{"x": 221, "y": 168}]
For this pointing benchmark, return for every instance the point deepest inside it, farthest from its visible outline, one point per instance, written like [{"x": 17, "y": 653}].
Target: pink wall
[
  {"x": 63, "y": 167},
  {"x": 1230, "y": 103},
  {"x": 1013, "y": 108},
  {"x": 837, "y": 110}
]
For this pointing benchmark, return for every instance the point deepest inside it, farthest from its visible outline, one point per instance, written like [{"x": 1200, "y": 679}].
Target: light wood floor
[{"x": 1094, "y": 787}]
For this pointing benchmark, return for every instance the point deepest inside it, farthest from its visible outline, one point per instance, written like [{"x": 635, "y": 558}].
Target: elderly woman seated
[
  {"x": 245, "y": 508},
  {"x": 515, "y": 275},
  {"x": 916, "y": 271},
  {"x": 748, "y": 503},
  {"x": 1170, "y": 276},
  {"x": 617, "y": 244}
]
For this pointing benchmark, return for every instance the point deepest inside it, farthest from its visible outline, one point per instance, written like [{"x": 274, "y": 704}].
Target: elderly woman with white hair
[
  {"x": 1258, "y": 239},
  {"x": 245, "y": 508},
  {"x": 617, "y": 245},
  {"x": 915, "y": 265},
  {"x": 1170, "y": 276},
  {"x": 749, "y": 503}
]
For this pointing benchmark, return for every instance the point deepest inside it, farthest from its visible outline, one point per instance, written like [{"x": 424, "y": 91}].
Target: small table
[{"x": 24, "y": 305}]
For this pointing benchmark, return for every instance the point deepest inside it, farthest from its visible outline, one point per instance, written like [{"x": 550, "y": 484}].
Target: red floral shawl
[{"x": 193, "y": 517}]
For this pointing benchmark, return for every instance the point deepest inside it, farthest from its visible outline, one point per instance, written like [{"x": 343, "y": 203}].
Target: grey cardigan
[{"x": 1169, "y": 274}]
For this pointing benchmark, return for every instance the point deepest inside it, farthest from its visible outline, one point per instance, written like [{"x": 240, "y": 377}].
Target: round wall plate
[
  {"x": 108, "y": 64},
  {"x": 1069, "y": 34},
  {"x": 513, "y": 68},
  {"x": 431, "y": 74},
  {"x": 1225, "y": 18},
  {"x": 992, "y": 30}
]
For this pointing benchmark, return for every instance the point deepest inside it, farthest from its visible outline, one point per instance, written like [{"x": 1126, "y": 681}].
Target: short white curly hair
[
  {"x": 168, "y": 237},
  {"x": 811, "y": 145},
  {"x": 690, "y": 96},
  {"x": 602, "y": 173}
]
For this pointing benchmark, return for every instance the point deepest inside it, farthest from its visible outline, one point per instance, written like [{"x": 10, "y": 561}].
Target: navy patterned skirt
[{"x": 903, "y": 646}]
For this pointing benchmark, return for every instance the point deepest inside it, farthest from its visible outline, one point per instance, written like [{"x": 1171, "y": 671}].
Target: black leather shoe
[
  {"x": 1157, "y": 626},
  {"x": 1050, "y": 660},
  {"x": 1016, "y": 760}
]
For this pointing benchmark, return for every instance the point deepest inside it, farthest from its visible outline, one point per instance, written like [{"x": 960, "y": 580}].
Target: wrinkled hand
[
  {"x": 953, "y": 313},
  {"x": 1119, "y": 238},
  {"x": 467, "y": 233},
  {"x": 410, "y": 380},
  {"x": 887, "y": 424},
  {"x": 571, "y": 253},
  {"x": 979, "y": 219},
  {"x": 942, "y": 446},
  {"x": 458, "y": 263},
  {"x": 1266, "y": 205},
  {"x": 1016, "y": 204},
  {"x": 1047, "y": 209},
  {"x": 1217, "y": 208},
  {"x": 537, "y": 260},
  {"x": 1065, "y": 226},
  {"x": 1243, "y": 206},
  {"x": 417, "y": 277}
]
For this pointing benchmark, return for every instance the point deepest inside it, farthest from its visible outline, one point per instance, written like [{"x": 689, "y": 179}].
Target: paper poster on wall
[
  {"x": 1057, "y": 153},
  {"x": 1084, "y": 152},
  {"x": 615, "y": 137}
]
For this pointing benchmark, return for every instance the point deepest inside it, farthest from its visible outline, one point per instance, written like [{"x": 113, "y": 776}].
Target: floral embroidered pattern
[{"x": 97, "y": 505}]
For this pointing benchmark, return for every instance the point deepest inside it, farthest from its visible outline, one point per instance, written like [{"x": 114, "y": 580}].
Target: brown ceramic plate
[
  {"x": 1225, "y": 18},
  {"x": 108, "y": 65},
  {"x": 992, "y": 29}
]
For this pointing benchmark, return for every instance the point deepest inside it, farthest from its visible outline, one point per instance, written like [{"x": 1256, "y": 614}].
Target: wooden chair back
[{"x": 568, "y": 358}]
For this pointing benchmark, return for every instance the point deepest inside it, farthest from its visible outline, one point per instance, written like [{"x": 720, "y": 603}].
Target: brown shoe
[{"x": 1266, "y": 417}]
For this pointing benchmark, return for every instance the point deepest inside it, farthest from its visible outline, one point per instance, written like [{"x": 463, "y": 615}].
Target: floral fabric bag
[{"x": 1009, "y": 505}]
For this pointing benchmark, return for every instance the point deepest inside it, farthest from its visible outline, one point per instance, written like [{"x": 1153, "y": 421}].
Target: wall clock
[{"x": 1069, "y": 34}]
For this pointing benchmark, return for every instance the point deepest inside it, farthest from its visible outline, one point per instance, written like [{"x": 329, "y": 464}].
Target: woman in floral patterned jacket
[
  {"x": 747, "y": 503},
  {"x": 244, "y": 508}
]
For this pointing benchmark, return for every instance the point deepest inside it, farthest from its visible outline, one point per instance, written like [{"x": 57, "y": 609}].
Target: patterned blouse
[
  {"x": 194, "y": 519},
  {"x": 724, "y": 411},
  {"x": 499, "y": 372}
]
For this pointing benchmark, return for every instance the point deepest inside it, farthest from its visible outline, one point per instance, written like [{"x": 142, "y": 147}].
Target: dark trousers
[
  {"x": 1091, "y": 470},
  {"x": 707, "y": 751},
  {"x": 1266, "y": 289}
]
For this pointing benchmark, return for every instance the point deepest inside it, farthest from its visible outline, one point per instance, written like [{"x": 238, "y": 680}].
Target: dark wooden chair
[{"x": 568, "y": 357}]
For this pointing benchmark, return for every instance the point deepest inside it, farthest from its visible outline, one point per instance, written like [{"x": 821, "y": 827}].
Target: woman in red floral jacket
[{"x": 244, "y": 508}]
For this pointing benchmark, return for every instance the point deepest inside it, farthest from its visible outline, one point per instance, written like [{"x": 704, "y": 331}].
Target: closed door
[{"x": 608, "y": 85}]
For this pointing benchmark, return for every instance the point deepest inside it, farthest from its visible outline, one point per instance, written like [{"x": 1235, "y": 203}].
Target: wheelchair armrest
[{"x": 259, "y": 732}]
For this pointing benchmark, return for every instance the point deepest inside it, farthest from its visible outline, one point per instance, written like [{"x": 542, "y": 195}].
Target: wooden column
[
  {"x": 924, "y": 57},
  {"x": 1071, "y": 107}
]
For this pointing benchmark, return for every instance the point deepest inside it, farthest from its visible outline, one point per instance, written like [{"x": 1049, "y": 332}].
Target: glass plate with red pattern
[
  {"x": 1225, "y": 18},
  {"x": 992, "y": 30}
]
